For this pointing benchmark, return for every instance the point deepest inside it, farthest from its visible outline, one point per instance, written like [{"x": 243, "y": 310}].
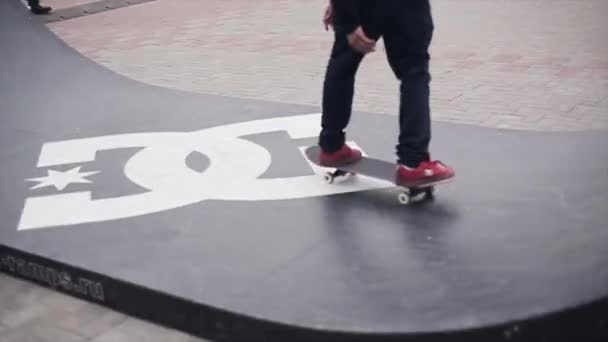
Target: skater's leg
[
  {"x": 338, "y": 92},
  {"x": 407, "y": 39}
]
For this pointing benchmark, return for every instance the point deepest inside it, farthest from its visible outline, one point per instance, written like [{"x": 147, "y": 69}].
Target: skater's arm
[{"x": 347, "y": 14}]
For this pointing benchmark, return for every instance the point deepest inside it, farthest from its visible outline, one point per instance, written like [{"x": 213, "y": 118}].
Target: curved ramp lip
[{"x": 588, "y": 320}]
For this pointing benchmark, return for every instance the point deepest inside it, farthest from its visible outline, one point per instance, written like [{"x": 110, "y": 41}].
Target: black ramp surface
[{"x": 154, "y": 187}]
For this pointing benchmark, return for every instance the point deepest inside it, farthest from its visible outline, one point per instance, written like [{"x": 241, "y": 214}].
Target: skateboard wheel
[
  {"x": 404, "y": 198},
  {"x": 430, "y": 192},
  {"x": 329, "y": 178}
]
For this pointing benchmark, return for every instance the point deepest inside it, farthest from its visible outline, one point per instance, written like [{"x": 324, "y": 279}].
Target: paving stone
[
  {"x": 89, "y": 321},
  {"x": 8, "y": 283},
  {"x": 137, "y": 330},
  {"x": 21, "y": 306},
  {"x": 59, "y": 301},
  {"x": 39, "y": 331},
  {"x": 28, "y": 296}
]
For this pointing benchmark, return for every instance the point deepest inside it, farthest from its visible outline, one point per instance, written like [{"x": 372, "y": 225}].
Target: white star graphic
[{"x": 60, "y": 180}]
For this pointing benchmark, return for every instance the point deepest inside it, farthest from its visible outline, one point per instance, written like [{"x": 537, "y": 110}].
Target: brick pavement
[
  {"x": 528, "y": 64},
  {"x": 30, "y": 313}
]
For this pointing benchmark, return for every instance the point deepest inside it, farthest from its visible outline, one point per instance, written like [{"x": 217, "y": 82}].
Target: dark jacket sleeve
[{"x": 347, "y": 14}]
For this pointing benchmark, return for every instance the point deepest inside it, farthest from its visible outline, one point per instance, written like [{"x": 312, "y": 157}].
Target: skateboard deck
[{"x": 375, "y": 168}]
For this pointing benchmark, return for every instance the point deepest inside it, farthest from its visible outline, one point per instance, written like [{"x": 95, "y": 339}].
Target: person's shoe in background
[{"x": 36, "y": 8}]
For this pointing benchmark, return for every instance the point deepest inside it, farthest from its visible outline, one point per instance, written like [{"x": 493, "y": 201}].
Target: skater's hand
[
  {"x": 359, "y": 41},
  {"x": 327, "y": 18}
]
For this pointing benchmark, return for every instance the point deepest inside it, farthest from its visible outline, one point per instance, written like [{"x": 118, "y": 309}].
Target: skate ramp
[{"x": 201, "y": 213}]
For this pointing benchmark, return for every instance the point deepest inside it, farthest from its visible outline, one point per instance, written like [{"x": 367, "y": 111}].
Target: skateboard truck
[
  {"x": 405, "y": 197},
  {"x": 330, "y": 177}
]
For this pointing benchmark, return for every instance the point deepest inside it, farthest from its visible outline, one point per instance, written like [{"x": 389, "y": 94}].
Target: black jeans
[{"x": 406, "y": 28}]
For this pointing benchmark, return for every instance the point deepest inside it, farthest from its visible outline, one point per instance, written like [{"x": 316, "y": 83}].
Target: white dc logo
[{"x": 160, "y": 167}]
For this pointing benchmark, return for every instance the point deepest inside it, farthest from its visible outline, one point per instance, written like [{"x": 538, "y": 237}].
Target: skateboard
[{"x": 376, "y": 168}]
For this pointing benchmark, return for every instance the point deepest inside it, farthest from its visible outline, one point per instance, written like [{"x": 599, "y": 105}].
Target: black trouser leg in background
[{"x": 338, "y": 91}]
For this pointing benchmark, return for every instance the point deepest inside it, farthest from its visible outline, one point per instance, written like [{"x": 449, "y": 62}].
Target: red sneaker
[
  {"x": 427, "y": 173},
  {"x": 345, "y": 155}
]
